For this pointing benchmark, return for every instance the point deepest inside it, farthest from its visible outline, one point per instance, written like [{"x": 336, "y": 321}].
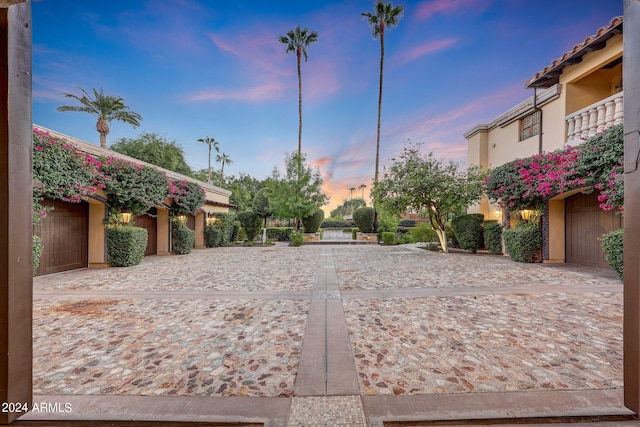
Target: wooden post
[
  {"x": 15, "y": 207},
  {"x": 631, "y": 72}
]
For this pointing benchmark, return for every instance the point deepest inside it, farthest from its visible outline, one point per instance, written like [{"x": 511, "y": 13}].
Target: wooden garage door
[
  {"x": 585, "y": 224},
  {"x": 64, "y": 234},
  {"x": 150, "y": 223}
]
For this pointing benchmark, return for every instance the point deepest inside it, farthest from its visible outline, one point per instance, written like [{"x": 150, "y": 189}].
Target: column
[{"x": 16, "y": 182}]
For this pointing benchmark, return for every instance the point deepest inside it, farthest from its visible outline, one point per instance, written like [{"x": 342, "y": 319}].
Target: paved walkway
[{"x": 328, "y": 335}]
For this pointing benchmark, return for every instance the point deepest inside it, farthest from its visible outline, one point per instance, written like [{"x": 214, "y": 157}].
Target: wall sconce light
[
  {"x": 498, "y": 214},
  {"x": 526, "y": 214},
  {"x": 211, "y": 220},
  {"x": 126, "y": 217}
]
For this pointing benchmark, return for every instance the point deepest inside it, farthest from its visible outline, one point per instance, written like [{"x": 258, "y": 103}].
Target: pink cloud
[
  {"x": 446, "y": 7},
  {"x": 263, "y": 92},
  {"x": 424, "y": 49}
]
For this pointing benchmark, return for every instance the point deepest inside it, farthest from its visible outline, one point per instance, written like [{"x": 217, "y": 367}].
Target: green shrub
[
  {"x": 522, "y": 242},
  {"x": 225, "y": 224},
  {"x": 492, "y": 233},
  {"x": 251, "y": 223},
  {"x": 235, "y": 234},
  {"x": 126, "y": 245},
  {"x": 182, "y": 238},
  {"x": 212, "y": 236},
  {"x": 452, "y": 241},
  {"x": 363, "y": 217},
  {"x": 37, "y": 253},
  {"x": 354, "y": 233},
  {"x": 280, "y": 234},
  {"x": 613, "y": 247},
  {"x": 242, "y": 235},
  {"x": 468, "y": 231},
  {"x": 407, "y": 223},
  {"x": 297, "y": 239},
  {"x": 312, "y": 223},
  {"x": 405, "y": 238},
  {"x": 335, "y": 224},
  {"x": 423, "y": 233},
  {"x": 388, "y": 238}
]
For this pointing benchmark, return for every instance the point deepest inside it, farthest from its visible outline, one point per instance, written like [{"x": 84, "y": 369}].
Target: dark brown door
[
  {"x": 150, "y": 223},
  {"x": 585, "y": 225},
  {"x": 65, "y": 236}
]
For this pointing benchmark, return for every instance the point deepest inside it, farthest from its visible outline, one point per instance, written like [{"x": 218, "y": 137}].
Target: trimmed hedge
[
  {"x": 182, "y": 239},
  {"x": 388, "y": 238},
  {"x": 354, "y": 233},
  {"x": 468, "y": 231},
  {"x": 364, "y": 217},
  {"x": 336, "y": 224},
  {"x": 312, "y": 223},
  {"x": 407, "y": 223},
  {"x": 251, "y": 223},
  {"x": 126, "y": 245},
  {"x": 522, "y": 242},
  {"x": 492, "y": 233},
  {"x": 613, "y": 247},
  {"x": 280, "y": 234},
  {"x": 212, "y": 236}
]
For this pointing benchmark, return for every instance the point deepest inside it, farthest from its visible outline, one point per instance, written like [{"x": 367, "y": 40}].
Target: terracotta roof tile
[{"x": 577, "y": 50}]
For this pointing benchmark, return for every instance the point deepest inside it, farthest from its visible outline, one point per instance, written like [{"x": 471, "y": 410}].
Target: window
[{"x": 530, "y": 126}]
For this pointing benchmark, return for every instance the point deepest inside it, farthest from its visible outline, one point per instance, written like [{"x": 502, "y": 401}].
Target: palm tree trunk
[
  {"x": 209, "y": 167},
  {"x": 103, "y": 140},
  {"x": 375, "y": 179},
  {"x": 299, "y": 135},
  {"x": 222, "y": 173}
]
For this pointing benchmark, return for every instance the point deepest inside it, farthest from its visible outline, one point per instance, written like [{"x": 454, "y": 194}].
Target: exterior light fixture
[
  {"x": 525, "y": 214},
  {"x": 126, "y": 217},
  {"x": 211, "y": 220},
  {"x": 498, "y": 214}
]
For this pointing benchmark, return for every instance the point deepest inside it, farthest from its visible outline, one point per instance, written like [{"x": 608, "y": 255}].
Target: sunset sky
[{"x": 198, "y": 68}]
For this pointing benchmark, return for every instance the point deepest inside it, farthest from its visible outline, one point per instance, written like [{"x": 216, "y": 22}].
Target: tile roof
[{"x": 550, "y": 74}]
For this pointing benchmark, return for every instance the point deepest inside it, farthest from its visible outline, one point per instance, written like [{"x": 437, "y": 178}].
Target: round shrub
[
  {"x": 492, "y": 233},
  {"x": 297, "y": 239},
  {"x": 364, "y": 217},
  {"x": 312, "y": 223},
  {"x": 182, "y": 238},
  {"x": 37, "y": 253},
  {"x": 126, "y": 245},
  {"x": 613, "y": 247},
  {"x": 522, "y": 242},
  {"x": 251, "y": 223},
  {"x": 388, "y": 238},
  {"x": 468, "y": 231}
]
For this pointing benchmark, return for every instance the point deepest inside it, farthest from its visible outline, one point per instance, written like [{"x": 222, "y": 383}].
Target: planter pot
[{"x": 368, "y": 237}]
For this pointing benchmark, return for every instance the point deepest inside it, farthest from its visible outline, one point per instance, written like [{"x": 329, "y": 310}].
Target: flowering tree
[
  {"x": 529, "y": 182},
  {"x": 188, "y": 197},
  {"x": 420, "y": 181}
]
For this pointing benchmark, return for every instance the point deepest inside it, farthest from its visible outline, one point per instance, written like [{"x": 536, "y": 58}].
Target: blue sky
[{"x": 198, "y": 68}]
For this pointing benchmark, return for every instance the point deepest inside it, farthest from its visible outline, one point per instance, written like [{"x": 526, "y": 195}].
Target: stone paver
[{"x": 231, "y": 322}]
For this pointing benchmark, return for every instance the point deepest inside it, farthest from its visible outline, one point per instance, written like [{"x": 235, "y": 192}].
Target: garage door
[
  {"x": 150, "y": 223},
  {"x": 585, "y": 224},
  {"x": 64, "y": 234}
]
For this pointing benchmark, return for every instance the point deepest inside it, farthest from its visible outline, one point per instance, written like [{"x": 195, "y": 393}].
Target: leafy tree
[
  {"x": 106, "y": 108},
  {"x": 155, "y": 149},
  {"x": 346, "y": 208},
  {"x": 244, "y": 188},
  {"x": 420, "y": 181},
  {"x": 261, "y": 205},
  {"x": 293, "y": 197},
  {"x": 223, "y": 158},
  {"x": 211, "y": 143},
  {"x": 297, "y": 41},
  {"x": 385, "y": 16}
]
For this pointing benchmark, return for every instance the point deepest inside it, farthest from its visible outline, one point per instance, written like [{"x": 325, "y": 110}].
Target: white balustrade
[{"x": 595, "y": 118}]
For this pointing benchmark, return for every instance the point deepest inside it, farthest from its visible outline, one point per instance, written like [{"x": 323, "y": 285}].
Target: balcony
[{"x": 595, "y": 118}]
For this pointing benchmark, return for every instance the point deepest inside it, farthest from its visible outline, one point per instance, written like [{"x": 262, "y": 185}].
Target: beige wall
[{"x": 95, "y": 247}]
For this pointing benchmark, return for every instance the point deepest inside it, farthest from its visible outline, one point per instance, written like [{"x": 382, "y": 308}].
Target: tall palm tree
[
  {"x": 106, "y": 108},
  {"x": 223, "y": 158},
  {"x": 385, "y": 16},
  {"x": 297, "y": 41},
  {"x": 216, "y": 145}
]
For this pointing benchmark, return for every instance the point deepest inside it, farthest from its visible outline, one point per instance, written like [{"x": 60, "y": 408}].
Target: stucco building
[
  {"x": 73, "y": 234},
  {"x": 576, "y": 96}
]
